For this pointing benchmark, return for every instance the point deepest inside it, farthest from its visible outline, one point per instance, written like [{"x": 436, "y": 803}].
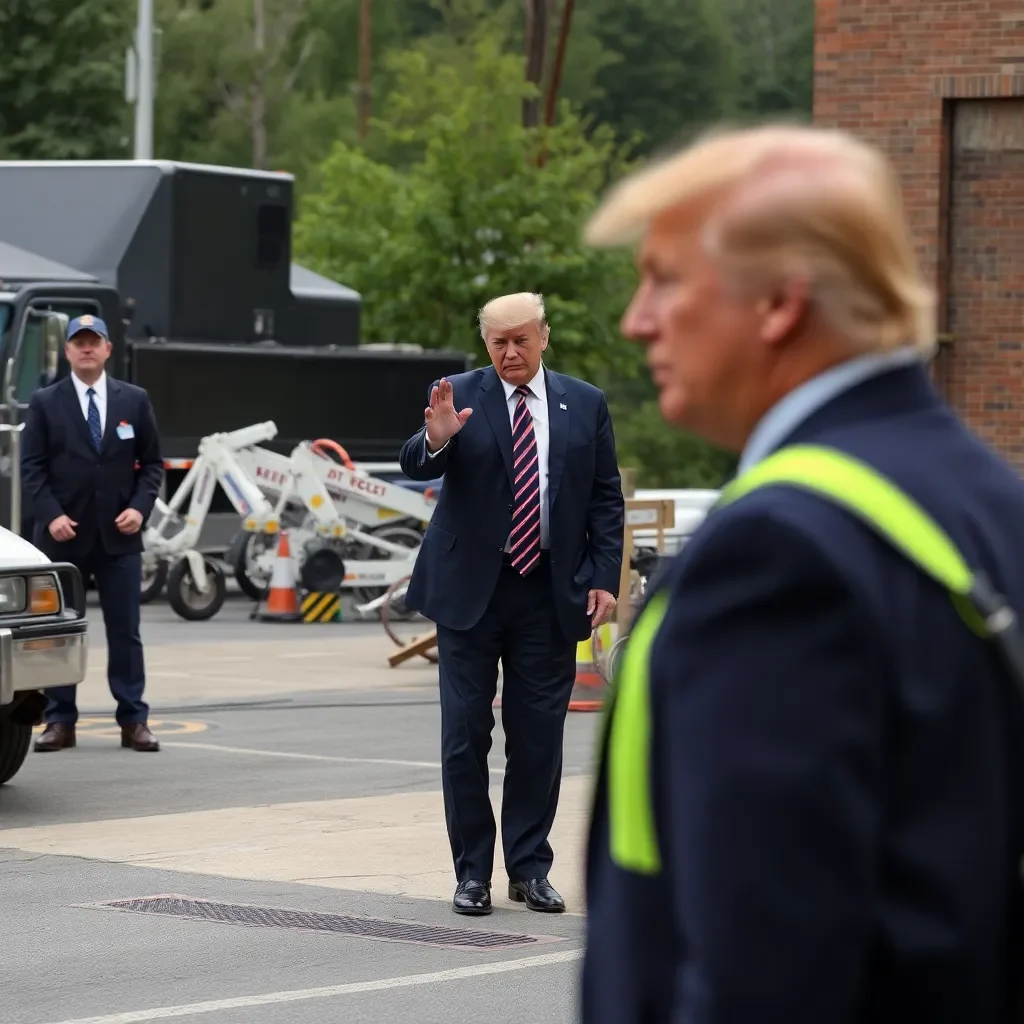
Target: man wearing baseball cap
[{"x": 92, "y": 466}]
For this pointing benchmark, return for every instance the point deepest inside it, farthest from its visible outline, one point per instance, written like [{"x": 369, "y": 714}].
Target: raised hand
[{"x": 443, "y": 422}]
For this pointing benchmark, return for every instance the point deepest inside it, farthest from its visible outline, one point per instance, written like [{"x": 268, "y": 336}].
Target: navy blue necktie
[
  {"x": 525, "y": 535},
  {"x": 95, "y": 430}
]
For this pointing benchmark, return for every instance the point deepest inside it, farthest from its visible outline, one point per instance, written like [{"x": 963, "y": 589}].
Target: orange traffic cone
[
  {"x": 283, "y": 597},
  {"x": 588, "y": 692}
]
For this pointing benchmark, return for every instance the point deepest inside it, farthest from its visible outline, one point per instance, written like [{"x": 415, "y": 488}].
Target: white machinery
[{"x": 346, "y": 528}]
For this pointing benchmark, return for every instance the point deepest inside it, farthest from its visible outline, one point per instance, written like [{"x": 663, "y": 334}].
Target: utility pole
[
  {"x": 144, "y": 82},
  {"x": 538, "y": 14},
  {"x": 556, "y": 75},
  {"x": 556, "y": 71},
  {"x": 364, "y": 69},
  {"x": 257, "y": 87}
]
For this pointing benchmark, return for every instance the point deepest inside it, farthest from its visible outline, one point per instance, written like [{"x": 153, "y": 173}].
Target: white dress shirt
[
  {"x": 100, "y": 398},
  {"x": 537, "y": 404}
]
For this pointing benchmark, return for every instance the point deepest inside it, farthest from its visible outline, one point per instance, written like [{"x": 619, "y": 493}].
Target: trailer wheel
[
  {"x": 15, "y": 738},
  {"x": 154, "y": 579},
  {"x": 240, "y": 558},
  {"x": 388, "y": 612},
  {"x": 186, "y": 598}
]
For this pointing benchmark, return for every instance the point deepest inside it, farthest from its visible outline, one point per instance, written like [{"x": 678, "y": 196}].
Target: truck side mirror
[{"x": 55, "y": 330}]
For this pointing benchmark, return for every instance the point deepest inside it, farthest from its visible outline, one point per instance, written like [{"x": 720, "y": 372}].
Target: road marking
[
  {"x": 435, "y": 765},
  {"x": 102, "y": 727},
  {"x": 329, "y": 991}
]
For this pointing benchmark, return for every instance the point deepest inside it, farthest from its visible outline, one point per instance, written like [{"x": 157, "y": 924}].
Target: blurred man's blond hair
[{"x": 786, "y": 201}]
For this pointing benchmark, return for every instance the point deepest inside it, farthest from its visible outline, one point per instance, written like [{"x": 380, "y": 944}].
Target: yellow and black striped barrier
[{"x": 321, "y": 607}]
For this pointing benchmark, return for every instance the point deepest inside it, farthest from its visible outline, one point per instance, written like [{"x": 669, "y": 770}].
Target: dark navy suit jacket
[
  {"x": 458, "y": 565},
  {"x": 836, "y": 761},
  {"x": 65, "y": 475}
]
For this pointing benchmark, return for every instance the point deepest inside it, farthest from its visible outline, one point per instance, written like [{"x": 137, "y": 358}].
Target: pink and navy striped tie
[{"x": 524, "y": 540}]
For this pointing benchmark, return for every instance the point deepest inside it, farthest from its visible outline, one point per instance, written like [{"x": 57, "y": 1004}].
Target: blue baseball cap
[{"x": 88, "y": 323}]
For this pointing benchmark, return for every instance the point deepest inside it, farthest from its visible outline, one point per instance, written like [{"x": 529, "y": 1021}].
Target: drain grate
[{"x": 338, "y": 924}]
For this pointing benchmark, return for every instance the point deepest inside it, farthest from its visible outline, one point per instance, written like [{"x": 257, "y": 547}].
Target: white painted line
[
  {"x": 329, "y": 991},
  {"x": 252, "y": 751}
]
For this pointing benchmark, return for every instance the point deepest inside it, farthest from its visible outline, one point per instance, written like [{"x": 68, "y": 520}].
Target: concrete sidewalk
[{"x": 394, "y": 844}]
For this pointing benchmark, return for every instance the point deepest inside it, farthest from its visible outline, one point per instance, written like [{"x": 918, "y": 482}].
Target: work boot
[
  {"x": 138, "y": 737},
  {"x": 56, "y": 736}
]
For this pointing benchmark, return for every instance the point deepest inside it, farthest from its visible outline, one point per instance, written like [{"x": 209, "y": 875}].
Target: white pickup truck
[{"x": 43, "y": 641}]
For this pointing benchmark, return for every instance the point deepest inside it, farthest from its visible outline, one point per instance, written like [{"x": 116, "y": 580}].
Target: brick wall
[{"x": 940, "y": 87}]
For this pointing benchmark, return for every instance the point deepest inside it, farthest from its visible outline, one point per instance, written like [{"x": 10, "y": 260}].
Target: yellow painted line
[{"x": 166, "y": 727}]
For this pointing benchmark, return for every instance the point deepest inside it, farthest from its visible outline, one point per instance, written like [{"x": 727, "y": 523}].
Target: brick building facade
[{"x": 939, "y": 86}]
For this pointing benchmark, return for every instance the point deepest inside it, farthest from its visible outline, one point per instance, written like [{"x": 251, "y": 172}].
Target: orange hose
[{"x": 325, "y": 442}]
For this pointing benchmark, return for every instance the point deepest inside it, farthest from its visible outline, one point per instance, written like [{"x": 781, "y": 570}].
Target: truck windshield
[{"x": 5, "y": 317}]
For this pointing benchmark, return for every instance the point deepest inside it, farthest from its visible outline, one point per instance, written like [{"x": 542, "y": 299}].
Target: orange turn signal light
[{"x": 44, "y": 597}]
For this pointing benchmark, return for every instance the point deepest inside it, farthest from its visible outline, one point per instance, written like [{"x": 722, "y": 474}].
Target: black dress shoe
[
  {"x": 537, "y": 894},
  {"x": 472, "y": 897}
]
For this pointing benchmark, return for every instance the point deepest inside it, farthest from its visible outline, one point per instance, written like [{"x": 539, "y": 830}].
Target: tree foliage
[
  {"x": 447, "y": 201},
  {"x": 62, "y": 79},
  {"x": 672, "y": 68},
  {"x": 463, "y": 211}
]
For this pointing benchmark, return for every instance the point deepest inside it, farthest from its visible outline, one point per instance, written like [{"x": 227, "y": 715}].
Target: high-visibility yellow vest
[{"x": 866, "y": 493}]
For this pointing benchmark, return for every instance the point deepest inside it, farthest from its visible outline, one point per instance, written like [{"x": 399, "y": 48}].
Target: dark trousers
[
  {"x": 119, "y": 582},
  {"x": 539, "y": 667}
]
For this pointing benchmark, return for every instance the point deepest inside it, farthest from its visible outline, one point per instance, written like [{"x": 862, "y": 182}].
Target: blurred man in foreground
[
  {"x": 810, "y": 804},
  {"x": 520, "y": 561}
]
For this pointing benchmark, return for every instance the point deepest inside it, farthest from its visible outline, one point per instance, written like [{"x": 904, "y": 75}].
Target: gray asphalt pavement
[{"x": 76, "y": 830}]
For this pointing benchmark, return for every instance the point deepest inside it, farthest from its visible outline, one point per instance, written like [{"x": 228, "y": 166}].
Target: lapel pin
[{"x": 562, "y": 405}]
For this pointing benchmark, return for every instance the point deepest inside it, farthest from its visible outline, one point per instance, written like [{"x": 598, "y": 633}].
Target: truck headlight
[
  {"x": 12, "y": 595},
  {"x": 44, "y": 595}
]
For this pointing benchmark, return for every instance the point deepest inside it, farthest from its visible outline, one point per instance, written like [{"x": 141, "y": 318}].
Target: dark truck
[{"x": 191, "y": 268}]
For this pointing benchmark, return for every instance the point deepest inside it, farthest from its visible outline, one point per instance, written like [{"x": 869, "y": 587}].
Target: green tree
[
  {"x": 62, "y": 79},
  {"x": 775, "y": 40},
  {"x": 237, "y": 85},
  {"x": 463, "y": 212},
  {"x": 674, "y": 68},
  {"x": 664, "y": 456}
]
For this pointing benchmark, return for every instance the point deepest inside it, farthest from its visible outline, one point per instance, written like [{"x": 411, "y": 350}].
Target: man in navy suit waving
[
  {"x": 520, "y": 561},
  {"x": 91, "y": 463}
]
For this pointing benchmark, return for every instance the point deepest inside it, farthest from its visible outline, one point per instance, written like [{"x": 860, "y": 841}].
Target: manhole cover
[{"x": 312, "y": 921}]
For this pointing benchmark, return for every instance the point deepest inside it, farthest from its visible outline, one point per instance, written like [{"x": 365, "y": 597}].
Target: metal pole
[
  {"x": 144, "y": 90},
  {"x": 365, "y": 37}
]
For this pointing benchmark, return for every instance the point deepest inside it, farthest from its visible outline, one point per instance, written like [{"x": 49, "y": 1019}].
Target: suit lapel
[
  {"x": 114, "y": 414},
  {"x": 72, "y": 406},
  {"x": 495, "y": 406},
  {"x": 558, "y": 432}
]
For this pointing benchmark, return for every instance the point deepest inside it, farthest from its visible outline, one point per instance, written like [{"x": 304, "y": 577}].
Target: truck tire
[
  {"x": 185, "y": 598},
  {"x": 14, "y": 743}
]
